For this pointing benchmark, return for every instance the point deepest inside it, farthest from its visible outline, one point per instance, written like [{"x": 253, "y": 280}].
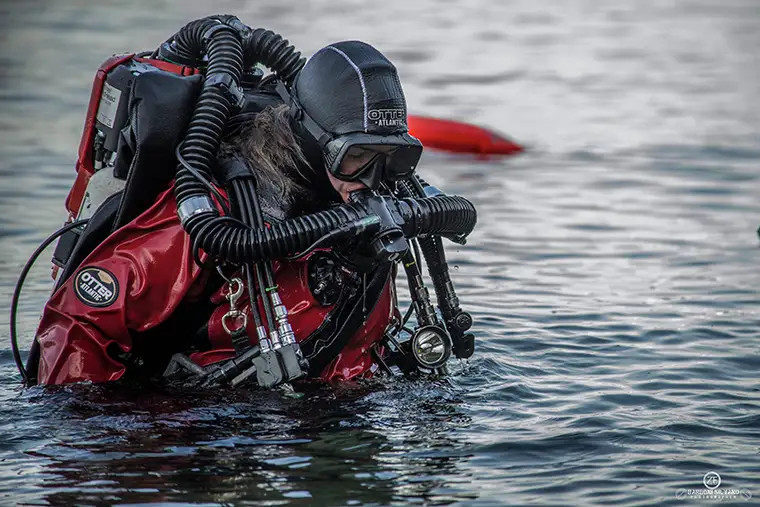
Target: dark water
[{"x": 613, "y": 275}]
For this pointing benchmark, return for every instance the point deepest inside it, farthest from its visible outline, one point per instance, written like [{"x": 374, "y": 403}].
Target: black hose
[
  {"x": 241, "y": 190},
  {"x": 418, "y": 260},
  {"x": 249, "y": 274},
  {"x": 272, "y": 50},
  {"x": 238, "y": 244},
  {"x": 240, "y": 210},
  {"x": 421, "y": 300},
  {"x": 432, "y": 249},
  {"x": 202, "y": 179},
  {"x": 257, "y": 221},
  {"x": 260, "y": 46},
  {"x": 442, "y": 215},
  {"x": 252, "y": 296},
  {"x": 204, "y": 133},
  {"x": 20, "y": 284},
  {"x": 184, "y": 43}
]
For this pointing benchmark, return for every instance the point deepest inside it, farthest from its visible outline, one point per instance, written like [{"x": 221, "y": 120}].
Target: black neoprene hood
[
  {"x": 351, "y": 87},
  {"x": 348, "y": 94}
]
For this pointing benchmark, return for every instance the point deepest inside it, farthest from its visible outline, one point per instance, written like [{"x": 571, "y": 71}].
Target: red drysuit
[{"x": 137, "y": 278}]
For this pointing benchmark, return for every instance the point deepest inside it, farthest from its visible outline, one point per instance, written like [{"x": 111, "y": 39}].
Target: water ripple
[{"x": 612, "y": 277}]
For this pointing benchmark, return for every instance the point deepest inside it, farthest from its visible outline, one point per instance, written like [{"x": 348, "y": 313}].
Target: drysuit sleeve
[{"x": 131, "y": 282}]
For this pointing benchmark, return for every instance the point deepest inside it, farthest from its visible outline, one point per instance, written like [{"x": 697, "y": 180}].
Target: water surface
[{"x": 613, "y": 275}]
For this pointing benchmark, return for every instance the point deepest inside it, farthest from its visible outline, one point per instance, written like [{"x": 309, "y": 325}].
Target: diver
[{"x": 276, "y": 260}]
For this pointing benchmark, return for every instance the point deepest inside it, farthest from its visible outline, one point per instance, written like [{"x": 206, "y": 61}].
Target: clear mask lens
[{"x": 359, "y": 158}]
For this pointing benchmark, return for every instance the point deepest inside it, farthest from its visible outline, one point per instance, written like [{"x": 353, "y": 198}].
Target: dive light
[{"x": 431, "y": 347}]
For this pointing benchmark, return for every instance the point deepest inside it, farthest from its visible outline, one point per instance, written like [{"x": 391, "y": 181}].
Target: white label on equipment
[{"x": 109, "y": 104}]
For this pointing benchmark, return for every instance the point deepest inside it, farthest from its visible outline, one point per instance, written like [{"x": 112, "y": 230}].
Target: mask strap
[{"x": 320, "y": 135}]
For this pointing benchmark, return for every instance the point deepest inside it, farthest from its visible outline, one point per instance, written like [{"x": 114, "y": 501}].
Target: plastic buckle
[{"x": 229, "y": 88}]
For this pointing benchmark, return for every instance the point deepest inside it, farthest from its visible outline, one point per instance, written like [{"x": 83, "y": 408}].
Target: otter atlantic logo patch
[
  {"x": 388, "y": 117},
  {"x": 96, "y": 287}
]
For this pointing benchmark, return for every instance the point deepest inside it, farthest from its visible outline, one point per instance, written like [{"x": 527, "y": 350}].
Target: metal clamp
[
  {"x": 236, "y": 290},
  {"x": 194, "y": 205}
]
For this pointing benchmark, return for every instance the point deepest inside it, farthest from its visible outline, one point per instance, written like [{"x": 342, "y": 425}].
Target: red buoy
[{"x": 460, "y": 137}]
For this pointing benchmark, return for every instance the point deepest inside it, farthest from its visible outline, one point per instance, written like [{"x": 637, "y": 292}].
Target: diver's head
[{"x": 349, "y": 112}]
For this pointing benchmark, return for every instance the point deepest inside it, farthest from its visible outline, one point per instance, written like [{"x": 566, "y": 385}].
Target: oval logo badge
[{"x": 96, "y": 287}]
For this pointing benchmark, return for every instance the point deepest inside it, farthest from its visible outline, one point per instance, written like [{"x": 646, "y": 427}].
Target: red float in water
[{"x": 460, "y": 137}]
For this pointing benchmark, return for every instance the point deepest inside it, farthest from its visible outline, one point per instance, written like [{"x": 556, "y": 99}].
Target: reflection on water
[
  {"x": 612, "y": 276},
  {"x": 169, "y": 445}
]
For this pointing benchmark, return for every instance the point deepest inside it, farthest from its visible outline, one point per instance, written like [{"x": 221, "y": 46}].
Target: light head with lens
[{"x": 431, "y": 347}]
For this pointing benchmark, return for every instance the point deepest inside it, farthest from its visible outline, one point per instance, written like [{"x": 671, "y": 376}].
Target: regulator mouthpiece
[{"x": 388, "y": 244}]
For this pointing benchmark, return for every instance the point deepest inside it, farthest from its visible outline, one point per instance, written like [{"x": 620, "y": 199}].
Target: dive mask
[{"x": 359, "y": 156}]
